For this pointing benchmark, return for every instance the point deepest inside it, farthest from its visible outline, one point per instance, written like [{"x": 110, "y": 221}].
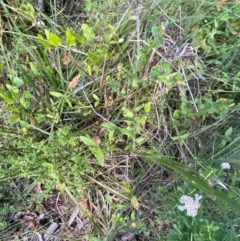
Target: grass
[{"x": 111, "y": 111}]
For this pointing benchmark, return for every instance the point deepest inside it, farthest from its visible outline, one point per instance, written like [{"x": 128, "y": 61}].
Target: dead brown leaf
[
  {"x": 40, "y": 88},
  {"x": 108, "y": 99},
  {"x": 86, "y": 203},
  {"x": 62, "y": 209},
  {"x": 73, "y": 83},
  {"x": 66, "y": 59},
  {"x": 37, "y": 188},
  {"x": 32, "y": 121},
  {"x": 165, "y": 225},
  {"x": 219, "y": 2},
  {"x": 28, "y": 222},
  {"x": 98, "y": 140}
]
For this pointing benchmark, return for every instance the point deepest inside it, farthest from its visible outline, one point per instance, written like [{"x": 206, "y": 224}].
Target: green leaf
[
  {"x": 231, "y": 235},
  {"x": 97, "y": 100},
  {"x": 109, "y": 126},
  {"x": 108, "y": 199},
  {"x": 157, "y": 33},
  {"x": 98, "y": 153},
  {"x": 128, "y": 113},
  {"x": 127, "y": 133},
  {"x": 81, "y": 39},
  {"x": 134, "y": 202},
  {"x": 71, "y": 39},
  {"x": 228, "y": 132},
  {"x": 18, "y": 81},
  {"x": 28, "y": 9},
  {"x": 14, "y": 91},
  {"x": 44, "y": 42},
  {"x": 89, "y": 5},
  {"x": 234, "y": 178},
  {"x": 87, "y": 31},
  {"x": 50, "y": 166},
  {"x": 93, "y": 56},
  {"x": 7, "y": 99},
  {"x": 121, "y": 40},
  {"x": 33, "y": 68},
  {"x": 176, "y": 113},
  {"x": 111, "y": 135},
  {"x": 88, "y": 141},
  {"x": 147, "y": 107},
  {"x": 56, "y": 94},
  {"x": 182, "y": 137},
  {"x": 52, "y": 38},
  {"x": 126, "y": 187},
  {"x": 211, "y": 110}
]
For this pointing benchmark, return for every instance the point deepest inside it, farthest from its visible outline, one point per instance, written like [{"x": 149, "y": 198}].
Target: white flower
[
  {"x": 190, "y": 204},
  {"x": 225, "y": 165}
]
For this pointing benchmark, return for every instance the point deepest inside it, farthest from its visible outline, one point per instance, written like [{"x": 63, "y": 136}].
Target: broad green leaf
[
  {"x": 89, "y": 5},
  {"x": 14, "y": 91},
  {"x": 121, "y": 40},
  {"x": 141, "y": 119},
  {"x": 108, "y": 198},
  {"x": 97, "y": 100},
  {"x": 126, "y": 187},
  {"x": 50, "y": 166},
  {"x": 69, "y": 103},
  {"x": 18, "y": 81},
  {"x": 133, "y": 215},
  {"x": 33, "y": 68},
  {"x": 134, "y": 202},
  {"x": 52, "y": 38},
  {"x": 134, "y": 82},
  {"x": 109, "y": 126},
  {"x": 110, "y": 135},
  {"x": 56, "y": 94},
  {"x": 71, "y": 39},
  {"x": 176, "y": 113},
  {"x": 157, "y": 34},
  {"x": 147, "y": 107},
  {"x": 44, "y": 42},
  {"x": 98, "y": 153},
  {"x": 88, "y": 141},
  {"x": 128, "y": 113},
  {"x": 87, "y": 31},
  {"x": 28, "y": 9},
  {"x": 93, "y": 56},
  {"x": 89, "y": 70},
  {"x": 81, "y": 39},
  {"x": 231, "y": 235},
  {"x": 140, "y": 140},
  {"x": 127, "y": 133},
  {"x": 234, "y": 178},
  {"x": 182, "y": 137},
  {"x": 53, "y": 175},
  {"x": 229, "y": 132},
  {"x": 7, "y": 99}
]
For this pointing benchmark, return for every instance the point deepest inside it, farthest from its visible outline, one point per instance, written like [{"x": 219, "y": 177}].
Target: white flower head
[
  {"x": 225, "y": 165},
  {"x": 190, "y": 204}
]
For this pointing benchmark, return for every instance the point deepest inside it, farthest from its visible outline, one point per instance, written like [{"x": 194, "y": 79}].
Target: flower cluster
[
  {"x": 225, "y": 165},
  {"x": 190, "y": 204}
]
